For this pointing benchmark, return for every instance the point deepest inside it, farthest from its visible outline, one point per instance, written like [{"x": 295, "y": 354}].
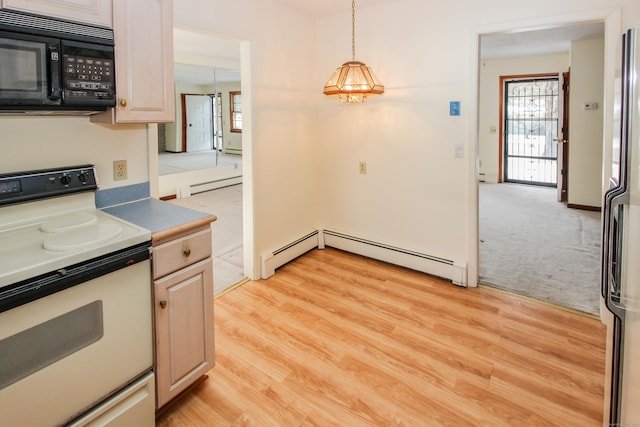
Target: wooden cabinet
[
  {"x": 183, "y": 297},
  {"x": 143, "y": 32},
  {"x": 97, "y": 12}
]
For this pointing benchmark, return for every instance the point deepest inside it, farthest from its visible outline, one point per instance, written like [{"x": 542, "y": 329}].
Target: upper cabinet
[
  {"x": 143, "y": 32},
  {"x": 97, "y": 12}
]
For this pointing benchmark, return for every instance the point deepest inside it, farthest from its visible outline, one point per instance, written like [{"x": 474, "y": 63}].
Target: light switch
[{"x": 459, "y": 153}]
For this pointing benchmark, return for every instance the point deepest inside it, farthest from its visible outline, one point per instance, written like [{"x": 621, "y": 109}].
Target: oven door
[{"x": 65, "y": 353}]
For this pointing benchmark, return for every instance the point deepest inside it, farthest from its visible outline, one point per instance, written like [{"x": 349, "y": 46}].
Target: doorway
[
  {"x": 520, "y": 138},
  {"x": 530, "y": 122},
  {"x": 198, "y": 127},
  {"x": 209, "y": 74}
]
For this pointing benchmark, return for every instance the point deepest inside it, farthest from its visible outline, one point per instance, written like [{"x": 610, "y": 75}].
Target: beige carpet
[
  {"x": 534, "y": 246},
  {"x": 226, "y": 204}
]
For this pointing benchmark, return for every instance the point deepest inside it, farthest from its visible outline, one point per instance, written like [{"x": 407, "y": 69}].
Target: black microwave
[{"x": 51, "y": 65}]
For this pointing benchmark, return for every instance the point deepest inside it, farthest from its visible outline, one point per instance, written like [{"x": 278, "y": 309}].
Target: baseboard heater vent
[
  {"x": 212, "y": 185},
  {"x": 281, "y": 256},
  {"x": 452, "y": 270},
  {"x": 448, "y": 269}
]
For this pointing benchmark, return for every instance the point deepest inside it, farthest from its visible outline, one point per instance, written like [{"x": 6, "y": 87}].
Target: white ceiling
[
  {"x": 209, "y": 50},
  {"x": 493, "y": 46},
  {"x": 320, "y": 8},
  {"x": 537, "y": 42}
]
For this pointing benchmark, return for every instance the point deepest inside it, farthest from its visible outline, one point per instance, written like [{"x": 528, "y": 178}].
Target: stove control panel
[{"x": 32, "y": 185}]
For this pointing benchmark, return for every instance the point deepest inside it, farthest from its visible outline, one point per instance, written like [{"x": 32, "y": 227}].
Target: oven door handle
[{"x": 35, "y": 288}]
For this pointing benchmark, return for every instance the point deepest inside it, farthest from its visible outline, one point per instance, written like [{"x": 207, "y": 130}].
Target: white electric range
[{"x": 75, "y": 304}]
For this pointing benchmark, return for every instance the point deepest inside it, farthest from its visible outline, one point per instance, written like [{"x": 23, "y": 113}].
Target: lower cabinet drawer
[{"x": 179, "y": 253}]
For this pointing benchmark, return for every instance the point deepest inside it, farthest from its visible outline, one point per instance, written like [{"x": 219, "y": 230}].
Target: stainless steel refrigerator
[{"x": 621, "y": 246}]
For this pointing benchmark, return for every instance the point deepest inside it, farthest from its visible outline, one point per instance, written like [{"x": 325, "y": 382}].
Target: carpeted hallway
[{"x": 534, "y": 246}]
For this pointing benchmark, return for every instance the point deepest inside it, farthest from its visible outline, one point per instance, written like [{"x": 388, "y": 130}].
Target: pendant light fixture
[{"x": 353, "y": 81}]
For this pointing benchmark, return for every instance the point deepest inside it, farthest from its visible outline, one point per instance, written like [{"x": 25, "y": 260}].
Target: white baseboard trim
[
  {"x": 272, "y": 260},
  {"x": 456, "y": 271},
  {"x": 448, "y": 269},
  {"x": 212, "y": 185}
]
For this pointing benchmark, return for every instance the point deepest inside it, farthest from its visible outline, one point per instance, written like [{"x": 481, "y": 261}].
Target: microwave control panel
[{"x": 86, "y": 77}]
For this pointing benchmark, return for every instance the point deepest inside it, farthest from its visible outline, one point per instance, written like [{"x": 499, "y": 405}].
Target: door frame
[
  {"x": 183, "y": 102},
  {"x": 563, "y": 140},
  {"x": 611, "y": 17},
  {"x": 503, "y": 80}
]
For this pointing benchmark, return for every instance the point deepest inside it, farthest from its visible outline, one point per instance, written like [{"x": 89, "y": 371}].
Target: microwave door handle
[{"x": 53, "y": 76}]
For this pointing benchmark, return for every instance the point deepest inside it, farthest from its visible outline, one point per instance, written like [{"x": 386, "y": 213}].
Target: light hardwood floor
[{"x": 334, "y": 339}]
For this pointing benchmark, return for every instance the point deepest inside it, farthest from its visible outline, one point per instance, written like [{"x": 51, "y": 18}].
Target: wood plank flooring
[{"x": 334, "y": 339}]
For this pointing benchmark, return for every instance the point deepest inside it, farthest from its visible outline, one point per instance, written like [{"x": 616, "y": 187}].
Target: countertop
[{"x": 161, "y": 218}]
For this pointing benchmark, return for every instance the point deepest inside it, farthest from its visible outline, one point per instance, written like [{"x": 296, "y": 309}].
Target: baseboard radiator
[
  {"x": 448, "y": 269},
  {"x": 283, "y": 255},
  {"x": 212, "y": 185}
]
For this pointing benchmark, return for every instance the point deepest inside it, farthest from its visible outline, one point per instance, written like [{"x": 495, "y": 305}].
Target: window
[{"x": 235, "y": 101}]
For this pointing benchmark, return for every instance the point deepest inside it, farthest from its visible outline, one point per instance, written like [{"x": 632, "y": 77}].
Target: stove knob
[
  {"x": 83, "y": 176},
  {"x": 65, "y": 179}
]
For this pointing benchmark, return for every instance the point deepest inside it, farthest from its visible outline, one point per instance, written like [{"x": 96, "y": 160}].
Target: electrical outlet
[
  {"x": 119, "y": 170},
  {"x": 363, "y": 167}
]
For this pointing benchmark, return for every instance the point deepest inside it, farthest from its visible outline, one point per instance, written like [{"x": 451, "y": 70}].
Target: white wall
[
  {"x": 631, "y": 15},
  {"x": 489, "y": 102},
  {"x": 416, "y": 195},
  {"x": 279, "y": 138},
  {"x": 586, "y": 126},
  {"x": 301, "y": 166},
  {"x": 44, "y": 142}
]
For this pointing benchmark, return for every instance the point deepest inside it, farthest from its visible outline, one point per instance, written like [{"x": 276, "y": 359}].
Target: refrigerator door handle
[{"x": 612, "y": 252}]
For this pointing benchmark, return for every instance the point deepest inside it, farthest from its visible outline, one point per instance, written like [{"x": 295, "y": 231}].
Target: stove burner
[
  {"x": 68, "y": 223},
  {"x": 82, "y": 237}
]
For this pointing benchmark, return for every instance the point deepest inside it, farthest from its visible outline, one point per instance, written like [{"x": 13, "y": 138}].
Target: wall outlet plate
[{"x": 119, "y": 170}]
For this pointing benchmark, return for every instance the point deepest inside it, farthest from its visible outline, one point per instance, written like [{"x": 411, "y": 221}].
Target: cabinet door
[
  {"x": 184, "y": 328},
  {"x": 144, "y": 61},
  {"x": 96, "y": 12}
]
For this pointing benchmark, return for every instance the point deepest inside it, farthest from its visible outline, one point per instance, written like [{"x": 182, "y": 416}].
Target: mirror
[{"x": 207, "y": 75}]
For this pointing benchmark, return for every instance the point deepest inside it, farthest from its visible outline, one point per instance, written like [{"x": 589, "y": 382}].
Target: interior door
[
  {"x": 199, "y": 132},
  {"x": 563, "y": 142}
]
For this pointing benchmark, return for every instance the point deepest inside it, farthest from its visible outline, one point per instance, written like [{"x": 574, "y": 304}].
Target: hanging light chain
[{"x": 353, "y": 30}]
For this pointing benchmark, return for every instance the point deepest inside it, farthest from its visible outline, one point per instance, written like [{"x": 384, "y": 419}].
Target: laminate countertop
[{"x": 164, "y": 220}]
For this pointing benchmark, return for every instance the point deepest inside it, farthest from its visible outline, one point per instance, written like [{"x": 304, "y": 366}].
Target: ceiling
[
  {"x": 320, "y": 8},
  {"x": 499, "y": 45},
  {"x": 537, "y": 42},
  {"x": 209, "y": 51},
  {"x": 493, "y": 46}
]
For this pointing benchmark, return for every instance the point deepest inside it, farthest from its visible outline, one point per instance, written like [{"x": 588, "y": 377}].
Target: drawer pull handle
[
  {"x": 163, "y": 304},
  {"x": 186, "y": 252}
]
